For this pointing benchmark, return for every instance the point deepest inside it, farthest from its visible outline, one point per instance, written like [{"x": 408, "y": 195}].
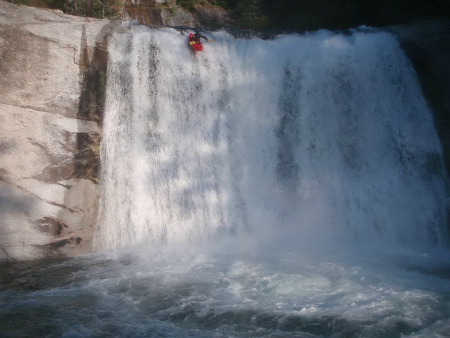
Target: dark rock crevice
[
  {"x": 434, "y": 94},
  {"x": 427, "y": 44},
  {"x": 93, "y": 65}
]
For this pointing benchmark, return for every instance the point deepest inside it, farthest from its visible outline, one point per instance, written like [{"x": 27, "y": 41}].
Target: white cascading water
[{"x": 323, "y": 137}]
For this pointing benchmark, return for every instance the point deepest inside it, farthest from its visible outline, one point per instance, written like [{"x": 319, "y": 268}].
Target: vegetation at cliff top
[
  {"x": 108, "y": 9},
  {"x": 187, "y": 4}
]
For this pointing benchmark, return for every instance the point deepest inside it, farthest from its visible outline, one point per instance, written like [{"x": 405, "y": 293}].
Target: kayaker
[{"x": 197, "y": 36}]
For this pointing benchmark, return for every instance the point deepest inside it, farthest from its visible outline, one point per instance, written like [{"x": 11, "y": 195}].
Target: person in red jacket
[{"x": 197, "y": 36}]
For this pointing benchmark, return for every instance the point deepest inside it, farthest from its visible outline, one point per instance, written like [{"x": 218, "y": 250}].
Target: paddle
[{"x": 193, "y": 42}]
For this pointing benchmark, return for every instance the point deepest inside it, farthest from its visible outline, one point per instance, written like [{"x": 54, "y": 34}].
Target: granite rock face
[{"x": 52, "y": 69}]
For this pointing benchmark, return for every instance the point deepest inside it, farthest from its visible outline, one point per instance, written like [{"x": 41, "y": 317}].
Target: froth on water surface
[{"x": 218, "y": 290}]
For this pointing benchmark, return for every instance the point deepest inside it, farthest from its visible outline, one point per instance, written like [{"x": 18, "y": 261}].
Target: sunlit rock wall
[{"x": 52, "y": 69}]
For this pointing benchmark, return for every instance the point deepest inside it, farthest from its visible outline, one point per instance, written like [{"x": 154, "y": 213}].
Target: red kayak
[{"x": 196, "y": 46}]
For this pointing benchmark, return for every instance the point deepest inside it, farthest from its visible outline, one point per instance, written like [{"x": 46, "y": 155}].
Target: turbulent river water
[{"x": 291, "y": 187}]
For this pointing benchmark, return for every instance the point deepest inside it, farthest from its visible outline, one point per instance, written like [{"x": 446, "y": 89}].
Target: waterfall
[{"x": 323, "y": 137}]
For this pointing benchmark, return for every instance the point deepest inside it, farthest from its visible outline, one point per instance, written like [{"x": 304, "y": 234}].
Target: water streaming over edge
[{"x": 323, "y": 138}]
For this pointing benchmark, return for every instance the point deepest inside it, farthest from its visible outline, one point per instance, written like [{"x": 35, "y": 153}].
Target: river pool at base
[{"x": 205, "y": 292}]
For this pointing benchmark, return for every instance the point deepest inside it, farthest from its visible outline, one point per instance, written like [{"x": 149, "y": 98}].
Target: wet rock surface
[{"x": 427, "y": 44}]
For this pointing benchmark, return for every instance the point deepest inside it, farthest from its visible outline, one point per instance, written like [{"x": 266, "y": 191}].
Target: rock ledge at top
[{"x": 167, "y": 13}]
